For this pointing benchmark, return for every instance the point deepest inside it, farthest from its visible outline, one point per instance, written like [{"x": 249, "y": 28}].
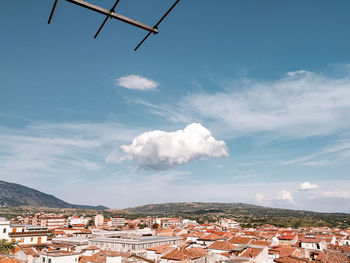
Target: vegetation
[
  {"x": 247, "y": 215},
  {"x": 6, "y": 246}
]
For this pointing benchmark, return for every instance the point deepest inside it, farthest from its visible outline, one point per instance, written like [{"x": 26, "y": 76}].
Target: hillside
[
  {"x": 13, "y": 195},
  {"x": 191, "y": 207},
  {"x": 246, "y": 214}
]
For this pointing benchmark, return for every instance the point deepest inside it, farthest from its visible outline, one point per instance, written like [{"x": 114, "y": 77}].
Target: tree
[
  {"x": 6, "y": 246},
  {"x": 155, "y": 226},
  {"x": 90, "y": 223}
]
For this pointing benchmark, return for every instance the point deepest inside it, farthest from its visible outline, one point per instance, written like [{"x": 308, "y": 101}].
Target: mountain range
[{"x": 12, "y": 195}]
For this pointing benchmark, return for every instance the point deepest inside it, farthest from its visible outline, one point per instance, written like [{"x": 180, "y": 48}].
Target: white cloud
[
  {"x": 325, "y": 156},
  {"x": 337, "y": 194},
  {"x": 307, "y": 186},
  {"x": 286, "y": 196},
  {"x": 301, "y": 104},
  {"x": 259, "y": 197},
  {"x": 59, "y": 149},
  {"x": 160, "y": 150},
  {"x": 136, "y": 82}
]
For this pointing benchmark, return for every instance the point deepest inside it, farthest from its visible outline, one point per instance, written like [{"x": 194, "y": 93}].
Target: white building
[
  {"x": 4, "y": 228},
  {"x": 133, "y": 245},
  {"x": 28, "y": 234},
  {"x": 99, "y": 219},
  {"x": 58, "y": 257},
  {"x": 118, "y": 221},
  {"x": 76, "y": 220}
]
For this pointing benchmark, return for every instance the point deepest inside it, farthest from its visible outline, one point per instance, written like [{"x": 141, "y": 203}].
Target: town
[{"x": 55, "y": 238}]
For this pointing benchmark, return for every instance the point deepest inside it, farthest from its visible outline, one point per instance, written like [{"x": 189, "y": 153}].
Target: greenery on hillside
[{"x": 247, "y": 215}]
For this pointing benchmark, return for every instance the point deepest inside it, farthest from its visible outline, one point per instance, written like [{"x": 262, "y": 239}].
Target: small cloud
[
  {"x": 337, "y": 194},
  {"x": 259, "y": 197},
  {"x": 160, "y": 150},
  {"x": 286, "y": 196},
  {"x": 307, "y": 186},
  {"x": 136, "y": 82}
]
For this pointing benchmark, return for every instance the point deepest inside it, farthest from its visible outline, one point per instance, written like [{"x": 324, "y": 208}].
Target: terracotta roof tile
[
  {"x": 211, "y": 237},
  {"x": 335, "y": 257},
  {"x": 181, "y": 254},
  {"x": 251, "y": 252},
  {"x": 222, "y": 245},
  {"x": 291, "y": 259},
  {"x": 240, "y": 240}
]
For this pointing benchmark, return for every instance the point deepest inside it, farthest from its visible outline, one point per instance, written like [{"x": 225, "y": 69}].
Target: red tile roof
[
  {"x": 291, "y": 259},
  {"x": 240, "y": 240},
  {"x": 283, "y": 251},
  {"x": 310, "y": 240},
  {"x": 210, "y": 237},
  {"x": 222, "y": 245},
  {"x": 287, "y": 237},
  {"x": 260, "y": 243},
  {"x": 251, "y": 252},
  {"x": 100, "y": 257},
  {"x": 181, "y": 254},
  {"x": 335, "y": 257}
]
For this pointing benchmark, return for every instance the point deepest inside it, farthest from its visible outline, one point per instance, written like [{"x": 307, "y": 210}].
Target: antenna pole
[
  {"x": 156, "y": 25},
  {"x": 108, "y": 16},
  {"x": 52, "y": 11}
]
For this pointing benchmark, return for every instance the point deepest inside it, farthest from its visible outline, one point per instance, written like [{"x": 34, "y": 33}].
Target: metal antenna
[
  {"x": 112, "y": 14},
  {"x": 156, "y": 25},
  {"x": 52, "y": 11},
  {"x": 104, "y": 22}
]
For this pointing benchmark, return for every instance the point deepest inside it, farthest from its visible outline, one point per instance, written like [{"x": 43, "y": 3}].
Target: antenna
[
  {"x": 156, "y": 25},
  {"x": 112, "y": 14}
]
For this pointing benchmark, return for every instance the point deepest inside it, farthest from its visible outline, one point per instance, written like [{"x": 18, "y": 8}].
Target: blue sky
[{"x": 233, "y": 101}]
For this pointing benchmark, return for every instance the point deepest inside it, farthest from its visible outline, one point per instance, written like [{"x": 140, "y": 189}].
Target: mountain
[
  {"x": 18, "y": 195},
  {"x": 191, "y": 207},
  {"x": 247, "y": 215}
]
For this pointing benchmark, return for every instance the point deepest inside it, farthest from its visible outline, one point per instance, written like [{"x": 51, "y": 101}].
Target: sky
[{"x": 233, "y": 101}]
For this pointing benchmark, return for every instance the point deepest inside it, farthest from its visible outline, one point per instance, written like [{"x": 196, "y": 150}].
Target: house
[
  {"x": 180, "y": 254},
  {"x": 277, "y": 252},
  {"x": 155, "y": 253},
  {"x": 9, "y": 259},
  {"x": 257, "y": 255},
  {"x": 209, "y": 239},
  {"x": 27, "y": 254},
  {"x": 313, "y": 243},
  {"x": 221, "y": 246},
  {"x": 28, "y": 234},
  {"x": 332, "y": 257},
  {"x": 260, "y": 243},
  {"x": 288, "y": 239},
  {"x": 58, "y": 257},
  {"x": 291, "y": 259},
  {"x": 90, "y": 250},
  {"x": 240, "y": 240},
  {"x": 104, "y": 256}
]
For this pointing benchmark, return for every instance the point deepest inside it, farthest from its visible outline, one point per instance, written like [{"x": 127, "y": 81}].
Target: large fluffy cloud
[
  {"x": 136, "y": 82},
  {"x": 160, "y": 150}
]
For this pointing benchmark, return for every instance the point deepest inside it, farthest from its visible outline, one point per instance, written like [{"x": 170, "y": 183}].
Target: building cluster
[{"x": 51, "y": 238}]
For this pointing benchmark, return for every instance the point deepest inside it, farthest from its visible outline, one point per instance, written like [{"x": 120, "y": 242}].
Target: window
[
  {"x": 49, "y": 260},
  {"x": 4, "y": 231},
  {"x": 43, "y": 259}
]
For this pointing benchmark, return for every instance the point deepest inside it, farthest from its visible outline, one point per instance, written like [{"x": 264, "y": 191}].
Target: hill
[
  {"x": 248, "y": 215},
  {"x": 14, "y": 195}
]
